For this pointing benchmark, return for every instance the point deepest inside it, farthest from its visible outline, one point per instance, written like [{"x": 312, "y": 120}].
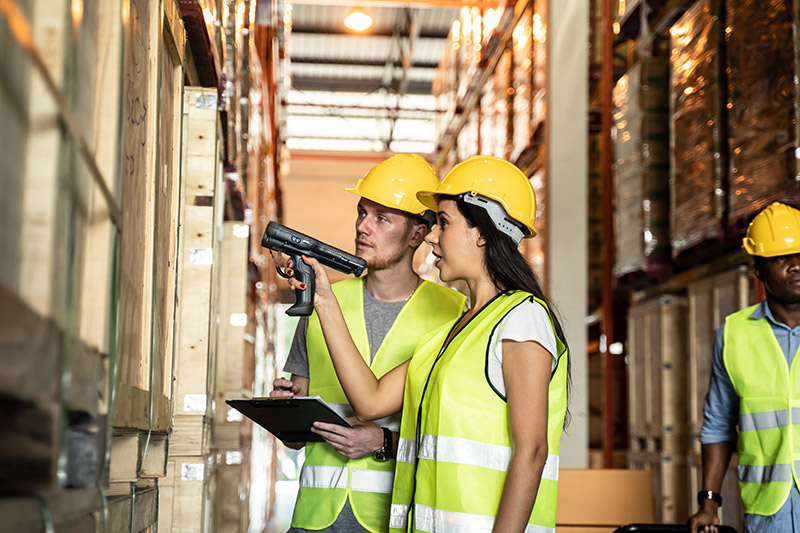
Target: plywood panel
[
  {"x": 196, "y": 257},
  {"x": 39, "y": 283},
  {"x": 657, "y": 378},
  {"x": 187, "y": 506},
  {"x": 167, "y": 201},
  {"x": 140, "y": 77}
]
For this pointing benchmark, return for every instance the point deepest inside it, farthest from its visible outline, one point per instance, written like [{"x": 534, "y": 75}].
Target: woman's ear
[{"x": 480, "y": 242}]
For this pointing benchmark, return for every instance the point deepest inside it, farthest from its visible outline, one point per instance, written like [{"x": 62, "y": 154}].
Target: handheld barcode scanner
[{"x": 295, "y": 244}]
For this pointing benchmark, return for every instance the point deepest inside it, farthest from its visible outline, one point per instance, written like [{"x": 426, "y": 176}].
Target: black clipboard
[{"x": 289, "y": 419}]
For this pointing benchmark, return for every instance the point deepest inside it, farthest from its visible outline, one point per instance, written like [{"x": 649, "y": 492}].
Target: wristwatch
[
  {"x": 384, "y": 453},
  {"x": 704, "y": 495}
]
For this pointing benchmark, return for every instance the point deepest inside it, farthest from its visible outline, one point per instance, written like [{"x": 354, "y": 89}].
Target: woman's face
[{"x": 456, "y": 245}]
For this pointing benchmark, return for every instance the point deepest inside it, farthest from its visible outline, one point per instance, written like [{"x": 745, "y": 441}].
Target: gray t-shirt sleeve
[{"x": 297, "y": 360}]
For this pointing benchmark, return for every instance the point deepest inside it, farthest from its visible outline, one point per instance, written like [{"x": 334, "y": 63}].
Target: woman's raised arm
[{"x": 370, "y": 398}]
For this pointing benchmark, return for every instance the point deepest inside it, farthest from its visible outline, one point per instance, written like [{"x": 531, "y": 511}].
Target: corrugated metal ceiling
[{"x": 328, "y": 59}]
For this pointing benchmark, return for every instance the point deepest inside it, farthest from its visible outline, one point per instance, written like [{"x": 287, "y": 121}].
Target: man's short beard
[{"x": 381, "y": 263}]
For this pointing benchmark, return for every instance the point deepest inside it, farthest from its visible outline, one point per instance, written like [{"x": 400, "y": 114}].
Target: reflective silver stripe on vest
[
  {"x": 474, "y": 453},
  {"x": 764, "y": 420},
  {"x": 430, "y": 519},
  {"x": 346, "y": 411},
  {"x": 764, "y": 474},
  {"x": 398, "y": 519},
  {"x": 406, "y": 450},
  {"x": 323, "y": 477},
  {"x": 796, "y": 415},
  {"x": 372, "y": 480},
  {"x": 550, "y": 470}
]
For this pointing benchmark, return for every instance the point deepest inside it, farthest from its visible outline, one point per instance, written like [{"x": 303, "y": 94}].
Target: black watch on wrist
[
  {"x": 704, "y": 495},
  {"x": 384, "y": 453}
]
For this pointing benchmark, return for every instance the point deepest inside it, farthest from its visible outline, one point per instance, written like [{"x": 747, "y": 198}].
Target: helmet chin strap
[{"x": 499, "y": 217}]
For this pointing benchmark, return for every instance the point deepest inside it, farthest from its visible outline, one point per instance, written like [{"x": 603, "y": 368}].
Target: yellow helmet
[
  {"x": 394, "y": 183},
  {"x": 774, "y": 231},
  {"x": 495, "y": 179}
]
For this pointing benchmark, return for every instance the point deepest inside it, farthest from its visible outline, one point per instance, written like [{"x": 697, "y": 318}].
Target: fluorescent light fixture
[{"x": 358, "y": 19}]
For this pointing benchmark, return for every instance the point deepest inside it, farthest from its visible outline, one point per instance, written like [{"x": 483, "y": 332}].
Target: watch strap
[
  {"x": 384, "y": 453},
  {"x": 704, "y": 495}
]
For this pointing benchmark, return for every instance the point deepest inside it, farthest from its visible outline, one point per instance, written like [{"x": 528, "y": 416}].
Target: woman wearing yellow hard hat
[{"x": 484, "y": 398}]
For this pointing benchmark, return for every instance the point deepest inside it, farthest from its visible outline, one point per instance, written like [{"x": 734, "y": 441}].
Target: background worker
[
  {"x": 755, "y": 386},
  {"x": 485, "y": 396},
  {"x": 346, "y": 482}
]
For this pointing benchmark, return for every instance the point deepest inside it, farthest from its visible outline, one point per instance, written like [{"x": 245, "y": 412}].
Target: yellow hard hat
[
  {"x": 394, "y": 183},
  {"x": 495, "y": 179},
  {"x": 774, "y": 231}
]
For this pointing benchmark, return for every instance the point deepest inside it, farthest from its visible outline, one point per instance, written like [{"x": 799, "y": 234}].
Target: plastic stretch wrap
[
  {"x": 698, "y": 155},
  {"x": 761, "y": 114},
  {"x": 641, "y": 166}
]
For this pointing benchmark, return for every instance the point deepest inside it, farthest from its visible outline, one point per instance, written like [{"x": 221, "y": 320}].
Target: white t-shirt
[{"x": 526, "y": 322}]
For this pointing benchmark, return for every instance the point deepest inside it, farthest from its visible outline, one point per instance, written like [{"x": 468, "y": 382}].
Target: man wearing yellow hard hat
[
  {"x": 346, "y": 481},
  {"x": 755, "y": 386}
]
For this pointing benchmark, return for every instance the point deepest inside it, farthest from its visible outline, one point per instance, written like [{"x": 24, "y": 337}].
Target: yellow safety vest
[
  {"x": 327, "y": 478},
  {"x": 455, "y": 440},
  {"x": 769, "y": 412}
]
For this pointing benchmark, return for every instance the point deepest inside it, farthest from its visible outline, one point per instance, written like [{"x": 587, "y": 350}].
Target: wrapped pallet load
[
  {"x": 641, "y": 168},
  {"x": 698, "y": 167},
  {"x": 761, "y": 108}
]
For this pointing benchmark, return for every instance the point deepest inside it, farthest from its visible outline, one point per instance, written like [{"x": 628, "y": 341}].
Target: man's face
[
  {"x": 781, "y": 277},
  {"x": 382, "y": 235}
]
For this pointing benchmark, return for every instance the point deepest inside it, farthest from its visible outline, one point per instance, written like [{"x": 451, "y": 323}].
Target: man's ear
[
  {"x": 418, "y": 233},
  {"x": 757, "y": 266}
]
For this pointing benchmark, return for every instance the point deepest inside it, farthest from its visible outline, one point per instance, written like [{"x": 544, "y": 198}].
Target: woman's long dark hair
[{"x": 507, "y": 267}]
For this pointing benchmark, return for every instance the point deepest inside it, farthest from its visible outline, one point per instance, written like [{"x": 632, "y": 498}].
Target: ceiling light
[{"x": 358, "y": 19}]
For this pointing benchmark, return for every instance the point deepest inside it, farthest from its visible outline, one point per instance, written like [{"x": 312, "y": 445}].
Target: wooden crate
[
  {"x": 194, "y": 369},
  {"x": 674, "y": 478},
  {"x": 196, "y": 255},
  {"x": 710, "y": 301},
  {"x": 232, "y": 495},
  {"x": 657, "y": 368},
  {"x": 183, "y": 507},
  {"x": 233, "y": 379},
  {"x": 668, "y": 482},
  {"x": 54, "y": 349},
  {"x": 153, "y": 42}
]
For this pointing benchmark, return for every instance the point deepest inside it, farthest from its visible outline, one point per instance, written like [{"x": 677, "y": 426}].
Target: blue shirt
[{"x": 721, "y": 416}]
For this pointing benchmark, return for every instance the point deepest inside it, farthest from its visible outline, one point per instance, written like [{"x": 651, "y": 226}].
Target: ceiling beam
[
  {"x": 312, "y": 83},
  {"x": 309, "y": 29},
  {"x": 363, "y": 107},
  {"x": 419, "y": 4},
  {"x": 358, "y": 62}
]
